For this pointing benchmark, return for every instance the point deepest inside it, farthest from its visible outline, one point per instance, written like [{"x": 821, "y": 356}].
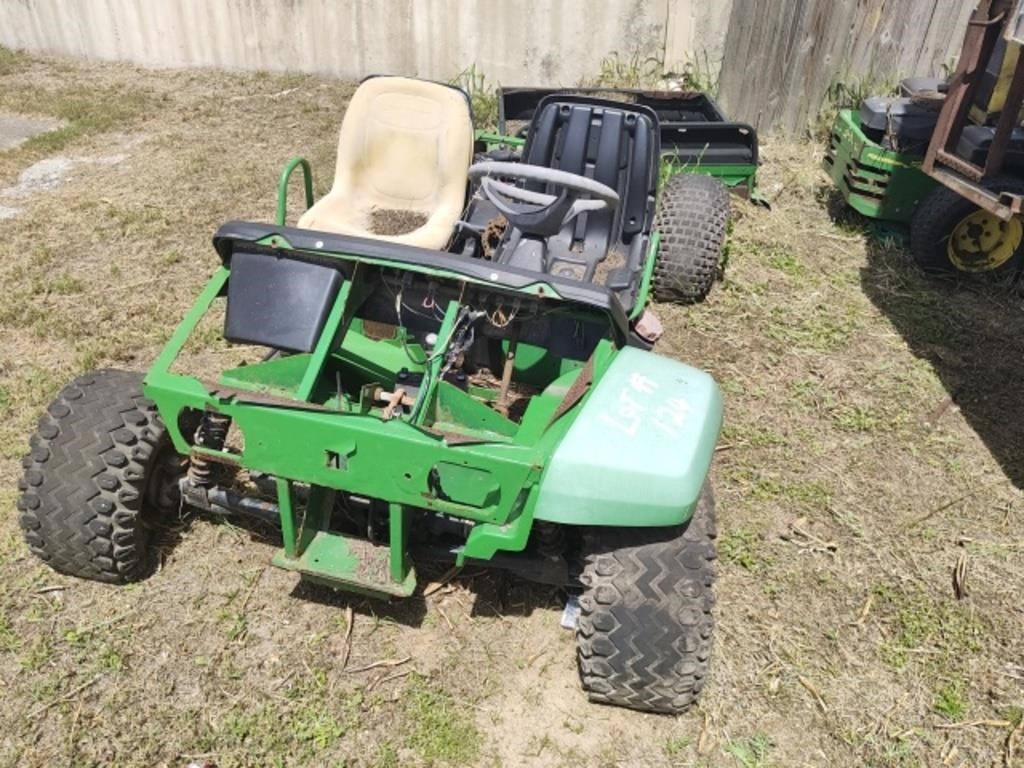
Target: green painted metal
[
  {"x": 286, "y": 509},
  {"x": 432, "y": 371},
  {"x": 282, "y": 186},
  {"x": 398, "y": 533},
  {"x": 344, "y": 562},
  {"x": 740, "y": 175},
  {"x": 487, "y": 539},
  {"x": 640, "y": 451},
  {"x": 334, "y": 330},
  {"x": 874, "y": 181},
  {"x": 315, "y": 419},
  {"x": 490, "y": 140}
]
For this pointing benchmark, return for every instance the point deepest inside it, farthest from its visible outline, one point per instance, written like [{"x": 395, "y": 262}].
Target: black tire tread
[
  {"x": 84, "y": 482},
  {"x": 645, "y": 629},
  {"x": 936, "y": 216},
  {"x": 692, "y": 217}
]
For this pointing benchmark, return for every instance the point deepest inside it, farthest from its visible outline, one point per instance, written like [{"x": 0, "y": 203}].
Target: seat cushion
[
  {"x": 405, "y": 147},
  {"x": 902, "y": 119},
  {"x": 976, "y": 141}
]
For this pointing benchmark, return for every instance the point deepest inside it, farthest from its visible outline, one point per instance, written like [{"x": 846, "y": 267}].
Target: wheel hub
[{"x": 982, "y": 242}]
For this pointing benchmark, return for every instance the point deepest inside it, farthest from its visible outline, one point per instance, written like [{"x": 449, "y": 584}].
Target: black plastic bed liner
[{"x": 693, "y": 127}]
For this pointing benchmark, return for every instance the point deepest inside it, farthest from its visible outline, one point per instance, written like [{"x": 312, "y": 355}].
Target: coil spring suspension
[{"x": 212, "y": 433}]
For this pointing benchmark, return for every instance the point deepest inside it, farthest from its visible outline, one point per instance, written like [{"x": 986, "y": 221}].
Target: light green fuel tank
[{"x": 639, "y": 452}]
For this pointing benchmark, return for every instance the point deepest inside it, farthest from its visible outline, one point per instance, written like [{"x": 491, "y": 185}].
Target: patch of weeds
[
  {"x": 1012, "y": 714},
  {"x": 750, "y": 753},
  {"x": 882, "y": 751},
  {"x": 236, "y": 625},
  {"x": 109, "y": 660},
  {"x": 37, "y": 655},
  {"x": 85, "y": 111},
  {"x": 437, "y": 730},
  {"x": 676, "y": 746},
  {"x": 8, "y": 637},
  {"x": 61, "y": 284},
  {"x": 950, "y": 701},
  {"x": 315, "y": 726},
  {"x": 739, "y": 547},
  {"x": 752, "y": 435},
  {"x": 669, "y": 167},
  {"x": 856, "y": 418},
  {"x": 634, "y": 70},
  {"x": 306, "y": 725},
  {"x": 763, "y": 488},
  {"x": 482, "y": 96},
  {"x": 822, "y": 331},
  {"x": 918, "y": 622},
  {"x": 386, "y": 757},
  {"x": 696, "y": 73},
  {"x": 149, "y": 221},
  {"x": 806, "y": 392},
  {"x": 12, "y": 62},
  {"x": 847, "y": 92},
  {"x": 787, "y": 263}
]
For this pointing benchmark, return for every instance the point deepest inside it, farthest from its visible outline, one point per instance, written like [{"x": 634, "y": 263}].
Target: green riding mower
[
  {"x": 452, "y": 363},
  {"x": 946, "y": 157}
]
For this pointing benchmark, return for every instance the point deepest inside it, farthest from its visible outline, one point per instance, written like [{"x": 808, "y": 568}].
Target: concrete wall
[
  {"x": 696, "y": 32},
  {"x": 511, "y": 41}
]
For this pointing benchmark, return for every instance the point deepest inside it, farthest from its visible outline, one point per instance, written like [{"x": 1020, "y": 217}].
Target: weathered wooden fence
[
  {"x": 781, "y": 57},
  {"x": 778, "y": 57}
]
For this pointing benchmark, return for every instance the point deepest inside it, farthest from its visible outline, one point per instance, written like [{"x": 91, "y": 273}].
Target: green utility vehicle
[
  {"x": 451, "y": 363},
  {"x": 958, "y": 186}
]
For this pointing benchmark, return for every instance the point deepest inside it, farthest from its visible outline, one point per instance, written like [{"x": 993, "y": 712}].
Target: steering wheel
[{"x": 538, "y": 213}]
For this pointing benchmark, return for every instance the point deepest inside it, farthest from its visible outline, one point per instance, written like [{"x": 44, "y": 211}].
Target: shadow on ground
[{"x": 972, "y": 334}]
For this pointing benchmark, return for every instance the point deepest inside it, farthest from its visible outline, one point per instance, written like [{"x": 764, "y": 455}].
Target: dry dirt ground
[{"x": 872, "y": 443}]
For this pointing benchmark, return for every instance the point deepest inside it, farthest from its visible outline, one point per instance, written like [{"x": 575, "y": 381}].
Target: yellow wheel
[
  {"x": 982, "y": 242},
  {"x": 949, "y": 233}
]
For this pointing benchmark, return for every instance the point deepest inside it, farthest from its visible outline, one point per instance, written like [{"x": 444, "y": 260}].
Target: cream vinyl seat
[{"x": 405, "y": 146}]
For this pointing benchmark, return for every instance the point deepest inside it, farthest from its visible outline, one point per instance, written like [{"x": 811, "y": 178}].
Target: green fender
[{"x": 639, "y": 452}]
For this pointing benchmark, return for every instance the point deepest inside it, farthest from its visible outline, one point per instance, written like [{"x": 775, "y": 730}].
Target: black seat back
[{"x": 611, "y": 142}]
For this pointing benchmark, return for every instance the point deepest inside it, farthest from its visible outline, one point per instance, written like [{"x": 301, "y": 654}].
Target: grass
[
  {"x": 84, "y": 111},
  {"x": 946, "y": 631},
  {"x": 483, "y": 97},
  {"x": 847, "y": 92},
  {"x": 635, "y": 69},
  {"x": 950, "y": 701},
  {"x": 696, "y": 73},
  {"x": 750, "y": 753},
  {"x": 677, "y": 746},
  {"x": 12, "y": 62},
  {"x": 438, "y": 730},
  {"x": 740, "y": 547}
]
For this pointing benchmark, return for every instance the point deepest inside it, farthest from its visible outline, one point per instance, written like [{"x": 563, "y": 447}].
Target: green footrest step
[{"x": 349, "y": 563}]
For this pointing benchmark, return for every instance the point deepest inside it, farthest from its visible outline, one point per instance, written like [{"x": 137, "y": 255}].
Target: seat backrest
[
  {"x": 614, "y": 143},
  {"x": 405, "y": 144}
]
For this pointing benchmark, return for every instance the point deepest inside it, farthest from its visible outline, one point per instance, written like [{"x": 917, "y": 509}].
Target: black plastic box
[{"x": 278, "y": 302}]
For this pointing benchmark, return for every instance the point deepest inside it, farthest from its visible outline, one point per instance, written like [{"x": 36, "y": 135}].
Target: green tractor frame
[
  {"x": 457, "y": 368},
  {"x": 946, "y": 157}
]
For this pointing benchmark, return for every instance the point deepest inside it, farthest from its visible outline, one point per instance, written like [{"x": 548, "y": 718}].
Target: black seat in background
[
  {"x": 976, "y": 141},
  {"x": 616, "y": 144}
]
